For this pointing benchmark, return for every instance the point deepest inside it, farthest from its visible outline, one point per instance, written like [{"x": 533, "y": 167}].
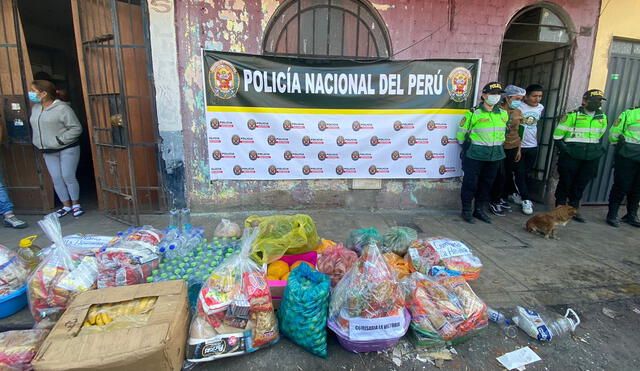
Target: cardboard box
[{"x": 158, "y": 344}]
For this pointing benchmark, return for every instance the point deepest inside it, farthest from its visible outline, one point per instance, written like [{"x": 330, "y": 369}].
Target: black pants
[
  {"x": 626, "y": 181},
  {"x": 503, "y": 185},
  {"x": 528, "y": 158},
  {"x": 477, "y": 182},
  {"x": 575, "y": 175}
]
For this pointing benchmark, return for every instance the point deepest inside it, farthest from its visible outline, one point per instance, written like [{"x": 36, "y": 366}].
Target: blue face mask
[
  {"x": 515, "y": 104},
  {"x": 34, "y": 97},
  {"x": 493, "y": 99}
]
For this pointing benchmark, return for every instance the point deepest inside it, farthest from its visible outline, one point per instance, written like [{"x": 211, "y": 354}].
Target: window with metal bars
[{"x": 327, "y": 28}]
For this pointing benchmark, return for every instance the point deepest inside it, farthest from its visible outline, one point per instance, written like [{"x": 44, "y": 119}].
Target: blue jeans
[{"x": 5, "y": 203}]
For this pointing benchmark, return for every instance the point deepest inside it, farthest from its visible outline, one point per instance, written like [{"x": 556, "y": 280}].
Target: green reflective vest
[
  {"x": 626, "y": 133},
  {"x": 579, "y": 134},
  {"x": 482, "y": 133}
]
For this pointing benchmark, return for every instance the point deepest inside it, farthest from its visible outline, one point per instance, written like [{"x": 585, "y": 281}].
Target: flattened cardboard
[{"x": 159, "y": 344}]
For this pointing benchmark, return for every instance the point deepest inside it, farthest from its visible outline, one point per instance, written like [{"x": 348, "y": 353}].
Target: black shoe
[
  {"x": 468, "y": 217},
  {"x": 578, "y": 218},
  {"x": 480, "y": 214},
  {"x": 504, "y": 205},
  {"x": 631, "y": 220},
  {"x": 496, "y": 209},
  {"x": 613, "y": 222}
]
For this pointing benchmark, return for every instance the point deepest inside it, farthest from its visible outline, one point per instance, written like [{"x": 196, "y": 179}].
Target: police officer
[
  {"x": 625, "y": 135},
  {"x": 482, "y": 134},
  {"x": 579, "y": 136}
]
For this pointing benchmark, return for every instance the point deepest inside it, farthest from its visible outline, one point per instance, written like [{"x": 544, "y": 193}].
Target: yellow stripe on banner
[{"x": 442, "y": 111}]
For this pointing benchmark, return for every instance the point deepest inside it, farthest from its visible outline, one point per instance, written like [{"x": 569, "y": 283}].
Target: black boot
[
  {"x": 467, "y": 216},
  {"x": 480, "y": 214},
  {"x": 631, "y": 219},
  {"x": 612, "y": 215}
]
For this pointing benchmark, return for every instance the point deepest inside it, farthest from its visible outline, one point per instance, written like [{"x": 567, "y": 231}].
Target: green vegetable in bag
[
  {"x": 361, "y": 238},
  {"x": 398, "y": 239}
]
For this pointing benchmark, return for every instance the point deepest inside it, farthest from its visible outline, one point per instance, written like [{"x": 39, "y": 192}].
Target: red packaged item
[
  {"x": 335, "y": 262},
  {"x": 17, "y": 348},
  {"x": 126, "y": 264},
  {"x": 439, "y": 251}
]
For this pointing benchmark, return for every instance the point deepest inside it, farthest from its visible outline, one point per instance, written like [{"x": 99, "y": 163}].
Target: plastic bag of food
[
  {"x": 399, "y": 266},
  {"x": 439, "y": 251},
  {"x": 126, "y": 263},
  {"x": 13, "y": 272},
  {"x": 117, "y": 316},
  {"x": 17, "y": 348},
  {"x": 335, "y": 261},
  {"x": 324, "y": 245},
  {"x": 54, "y": 281},
  {"x": 234, "y": 313},
  {"x": 227, "y": 229},
  {"x": 444, "y": 310},
  {"x": 282, "y": 234},
  {"x": 361, "y": 238},
  {"x": 398, "y": 239},
  {"x": 303, "y": 309},
  {"x": 368, "y": 304}
]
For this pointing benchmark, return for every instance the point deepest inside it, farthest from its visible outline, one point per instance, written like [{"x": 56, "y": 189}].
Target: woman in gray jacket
[{"x": 56, "y": 131}]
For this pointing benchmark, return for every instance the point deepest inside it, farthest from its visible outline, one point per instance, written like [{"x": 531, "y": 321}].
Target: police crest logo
[
  {"x": 412, "y": 140},
  {"x": 306, "y": 170},
  {"x": 272, "y": 170},
  {"x": 395, "y": 155},
  {"x": 374, "y": 141},
  {"x": 251, "y": 124},
  {"x": 253, "y": 155},
  {"x": 616, "y": 123},
  {"x": 409, "y": 170},
  {"x": 442, "y": 169},
  {"x": 431, "y": 125},
  {"x": 339, "y": 170},
  {"x": 286, "y": 125},
  {"x": 237, "y": 170},
  {"x": 340, "y": 141},
  {"x": 397, "y": 126},
  {"x": 235, "y": 139},
  {"x": 373, "y": 169},
  {"x": 288, "y": 155},
  {"x": 271, "y": 140},
  {"x": 322, "y": 155},
  {"x": 463, "y": 121},
  {"x": 322, "y": 126},
  {"x": 355, "y": 155},
  {"x": 428, "y": 155},
  {"x": 306, "y": 140},
  {"x": 217, "y": 155},
  {"x": 224, "y": 79},
  {"x": 459, "y": 84},
  {"x": 215, "y": 124},
  {"x": 445, "y": 140},
  {"x": 355, "y": 126}
]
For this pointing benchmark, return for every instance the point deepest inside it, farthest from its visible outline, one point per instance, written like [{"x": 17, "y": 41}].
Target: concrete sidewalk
[{"x": 591, "y": 265}]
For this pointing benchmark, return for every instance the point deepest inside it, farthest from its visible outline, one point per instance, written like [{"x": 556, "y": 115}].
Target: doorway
[
  {"x": 537, "y": 49},
  {"x": 50, "y": 44}
]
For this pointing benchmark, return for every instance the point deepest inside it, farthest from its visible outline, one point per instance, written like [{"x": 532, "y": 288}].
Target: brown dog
[{"x": 547, "y": 223}]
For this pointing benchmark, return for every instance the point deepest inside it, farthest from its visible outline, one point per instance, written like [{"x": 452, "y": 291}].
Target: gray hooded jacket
[{"x": 54, "y": 128}]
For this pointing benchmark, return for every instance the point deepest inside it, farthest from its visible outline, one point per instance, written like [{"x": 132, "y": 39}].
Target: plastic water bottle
[
  {"x": 185, "y": 218},
  {"x": 505, "y": 324},
  {"x": 565, "y": 324},
  {"x": 174, "y": 218},
  {"x": 539, "y": 328}
]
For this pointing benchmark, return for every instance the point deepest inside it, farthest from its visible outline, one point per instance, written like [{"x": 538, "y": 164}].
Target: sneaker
[
  {"x": 527, "y": 207},
  {"x": 14, "y": 222},
  {"x": 504, "y": 205},
  {"x": 515, "y": 198},
  {"x": 496, "y": 209}
]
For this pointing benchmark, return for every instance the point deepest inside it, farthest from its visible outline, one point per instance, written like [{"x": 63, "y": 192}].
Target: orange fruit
[
  {"x": 272, "y": 278},
  {"x": 277, "y": 269},
  {"x": 285, "y": 277},
  {"x": 296, "y": 264}
]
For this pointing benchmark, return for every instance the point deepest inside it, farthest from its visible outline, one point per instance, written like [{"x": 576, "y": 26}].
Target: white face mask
[{"x": 493, "y": 99}]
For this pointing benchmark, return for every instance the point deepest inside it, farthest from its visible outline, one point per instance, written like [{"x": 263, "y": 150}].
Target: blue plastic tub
[{"x": 13, "y": 303}]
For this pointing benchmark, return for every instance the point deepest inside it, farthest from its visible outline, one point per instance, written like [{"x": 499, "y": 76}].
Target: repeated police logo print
[
  {"x": 215, "y": 124},
  {"x": 253, "y": 155},
  {"x": 271, "y": 140},
  {"x": 428, "y": 155},
  {"x": 395, "y": 155},
  {"x": 409, "y": 170},
  {"x": 412, "y": 140},
  {"x": 224, "y": 80},
  {"x": 339, "y": 169},
  {"x": 431, "y": 125},
  {"x": 251, "y": 124},
  {"x": 217, "y": 155},
  {"x": 397, "y": 126},
  {"x": 272, "y": 169},
  {"x": 322, "y": 126},
  {"x": 459, "y": 84},
  {"x": 306, "y": 140},
  {"x": 442, "y": 169},
  {"x": 306, "y": 170},
  {"x": 374, "y": 141},
  {"x": 340, "y": 141},
  {"x": 356, "y": 126},
  {"x": 373, "y": 169},
  {"x": 355, "y": 155},
  {"x": 286, "y": 125},
  {"x": 288, "y": 155},
  {"x": 237, "y": 170},
  {"x": 322, "y": 155},
  {"x": 235, "y": 139},
  {"x": 444, "y": 140}
]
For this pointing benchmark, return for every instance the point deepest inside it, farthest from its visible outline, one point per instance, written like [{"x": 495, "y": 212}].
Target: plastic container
[
  {"x": 13, "y": 303},
  {"x": 277, "y": 286},
  {"x": 29, "y": 252},
  {"x": 366, "y": 346}
]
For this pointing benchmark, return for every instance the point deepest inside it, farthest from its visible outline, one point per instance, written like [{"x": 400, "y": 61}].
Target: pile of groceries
[{"x": 177, "y": 297}]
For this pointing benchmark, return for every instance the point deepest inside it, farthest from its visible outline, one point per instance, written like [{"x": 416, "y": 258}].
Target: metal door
[
  {"x": 622, "y": 92},
  {"x": 21, "y": 164},
  {"x": 551, "y": 70},
  {"x": 114, "y": 52}
]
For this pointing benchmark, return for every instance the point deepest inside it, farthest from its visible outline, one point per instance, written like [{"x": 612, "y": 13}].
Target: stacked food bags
[
  {"x": 439, "y": 251},
  {"x": 13, "y": 272}
]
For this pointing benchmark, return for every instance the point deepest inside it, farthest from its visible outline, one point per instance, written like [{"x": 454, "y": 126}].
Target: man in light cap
[{"x": 579, "y": 137}]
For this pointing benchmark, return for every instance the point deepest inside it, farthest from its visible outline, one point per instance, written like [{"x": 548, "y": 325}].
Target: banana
[
  {"x": 86, "y": 324},
  {"x": 92, "y": 320},
  {"x": 106, "y": 319},
  {"x": 99, "y": 320}
]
